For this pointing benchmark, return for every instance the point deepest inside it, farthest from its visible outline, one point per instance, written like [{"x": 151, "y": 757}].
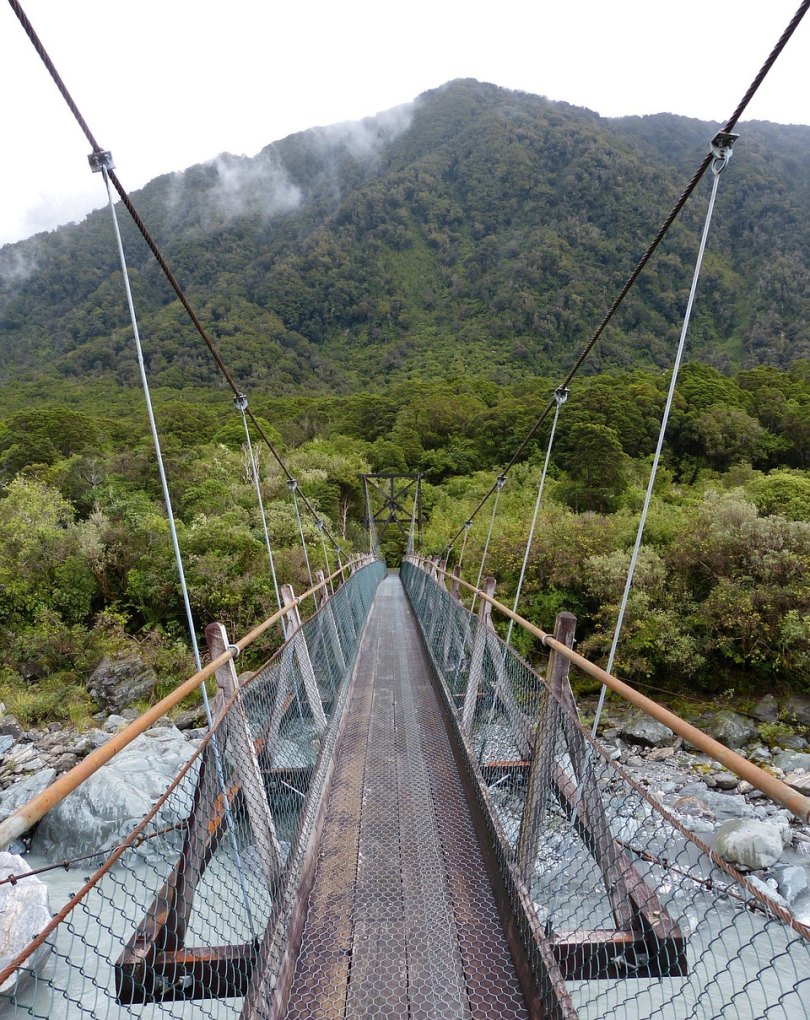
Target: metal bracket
[
  {"x": 500, "y": 481},
  {"x": 101, "y": 161},
  {"x": 722, "y": 144},
  {"x": 561, "y": 395},
  {"x": 241, "y": 402},
  {"x": 292, "y": 484}
]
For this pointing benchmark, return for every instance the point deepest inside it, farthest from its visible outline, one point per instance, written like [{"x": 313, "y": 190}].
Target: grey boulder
[
  {"x": 108, "y": 805},
  {"x": 25, "y": 910}
]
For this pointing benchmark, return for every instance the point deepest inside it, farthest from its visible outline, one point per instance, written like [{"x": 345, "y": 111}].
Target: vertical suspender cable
[
  {"x": 241, "y": 404},
  {"x": 175, "y": 544},
  {"x": 722, "y": 152},
  {"x": 560, "y": 396},
  {"x": 293, "y": 486},
  {"x": 499, "y": 485},
  {"x": 467, "y": 527}
]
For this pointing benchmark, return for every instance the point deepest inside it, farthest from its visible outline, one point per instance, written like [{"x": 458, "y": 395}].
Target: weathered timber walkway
[{"x": 402, "y": 920}]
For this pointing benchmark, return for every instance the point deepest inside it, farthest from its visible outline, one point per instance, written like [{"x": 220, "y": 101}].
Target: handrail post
[
  {"x": 477, "y": 659},
  {"x": 455, "y": 591},
  {"x": 299, "y": 644},
  {"x": 243, "y": 758},
  {"x": 334, "y": 637},
  {"x": 558, "y": 690}
]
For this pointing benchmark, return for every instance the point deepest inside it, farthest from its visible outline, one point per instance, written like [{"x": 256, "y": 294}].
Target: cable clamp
[
  {"x": 292, "y": 484},
  {"x": 468, "y": 524},
  {"x": 319, "y": 524},
  {"x": 722, "y": 144},
  {"x": 101, "y": 160},
  {"x": 500, "y": 481},
  {"x": 240, "y": 402},
  {"x": 237, "y": 651},
  {"x": 561, "y": 395}
]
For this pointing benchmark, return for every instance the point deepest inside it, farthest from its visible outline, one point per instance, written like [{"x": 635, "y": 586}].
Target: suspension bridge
[{"x": 398, "y": 816}]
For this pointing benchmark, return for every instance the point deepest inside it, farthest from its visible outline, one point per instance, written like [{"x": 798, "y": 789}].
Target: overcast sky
[{"x": 165, "y": 84}]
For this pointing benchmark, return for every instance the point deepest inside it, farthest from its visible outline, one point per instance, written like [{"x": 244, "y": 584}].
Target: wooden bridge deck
[{"x": 401, "y": 920}]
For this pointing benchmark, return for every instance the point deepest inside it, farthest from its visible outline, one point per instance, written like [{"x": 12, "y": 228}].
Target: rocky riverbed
[{"x": 741, "y": 824}]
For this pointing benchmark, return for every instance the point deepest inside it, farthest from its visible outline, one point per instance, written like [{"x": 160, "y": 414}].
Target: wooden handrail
[
  {"x": 24, "y": 817},
  {"x": 772, "y": 787}
]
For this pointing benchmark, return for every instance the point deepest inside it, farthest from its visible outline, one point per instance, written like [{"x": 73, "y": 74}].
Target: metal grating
[{"x": 402, "y": 919}]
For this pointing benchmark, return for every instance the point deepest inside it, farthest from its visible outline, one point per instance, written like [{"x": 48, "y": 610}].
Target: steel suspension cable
[
  {"x": 242, "y": 406},
  {"x": 178, "y": 558},
  {"x": 560, "y": 397},
  {"x": 293, "y": 487},
  {"x": 500, "y": 484},
  {"x": 650, "y": 251},
  {"x": 720, "y": 162},
  {"x": 99, "y": 153}
]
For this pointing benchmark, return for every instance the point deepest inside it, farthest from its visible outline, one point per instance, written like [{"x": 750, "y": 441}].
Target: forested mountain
[{"x": 477, "y": 228}]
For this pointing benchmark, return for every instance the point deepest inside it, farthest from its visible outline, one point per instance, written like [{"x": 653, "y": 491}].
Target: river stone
[
  {"x": 748, "y": 843},
  {"x": 641, "y": 729},
  {"x": 731, "y": 729},
  {"x": 797, "y": 707},
  {"x": 25, "y": 910},
  {"x": 792, "y": 882},
  {"x": 799, "y": 781},
  {"x": 119, "y": 681},
  {"x": 792, "y": 761},
  {"x": 766, "y": 709},
  {"x": 107, "y": 806},
  {"x": 9, "y": 727},
  {"x": 20, "y": 793}
]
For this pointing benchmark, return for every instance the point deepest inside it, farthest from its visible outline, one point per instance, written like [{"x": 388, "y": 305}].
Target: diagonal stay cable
[
  {"x": 153, "y": 247},
  {"x": 648, "y": 254}
]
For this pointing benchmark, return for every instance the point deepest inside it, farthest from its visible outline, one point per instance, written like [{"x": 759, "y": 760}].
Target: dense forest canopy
[
  {"x": 478, "y": 224},
  {"x": 402, "y": 295}
]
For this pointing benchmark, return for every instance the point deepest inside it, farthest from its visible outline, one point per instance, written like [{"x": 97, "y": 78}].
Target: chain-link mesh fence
[
  {"x": 198, "y": 899},
  {"x": 624, "y": 912}
]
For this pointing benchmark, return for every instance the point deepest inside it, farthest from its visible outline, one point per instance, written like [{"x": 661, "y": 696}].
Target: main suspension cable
[
  {"x": 98, "y": 154},
  {"x": 648, "y": 254}
]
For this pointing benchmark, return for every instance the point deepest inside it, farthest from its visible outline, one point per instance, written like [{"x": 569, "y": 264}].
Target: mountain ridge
[{"x": 476, "y": 222}]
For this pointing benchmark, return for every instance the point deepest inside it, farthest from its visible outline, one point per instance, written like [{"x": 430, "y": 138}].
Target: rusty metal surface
[{"x": 402, "y": 921}]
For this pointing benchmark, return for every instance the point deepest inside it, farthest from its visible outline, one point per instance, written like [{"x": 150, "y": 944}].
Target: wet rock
[
  {"x": 769, "y": 889},
  {"x": 9, "y": 727},
  {"x": 797, "y": 707},
  {"x": 791, "y": 761},
  {"x": 25, "y": 910},
  {"x": 731, "y": 729},
  {"x": 792, "y": 882},
  {"x": 109, "y": 804},
  {"x": 723, "y": 805},
  {"x": 641, "y": 729},
  {"x": 194, "y": 718},
  {"x": 766, "y": 709},
  {"x": 799, "y": 781},
  {"x": 65, "y": 762},
  {"x": 749, "y": 843},
  {"x": 661, "y": 754},
  {"x": 20, "y": 793},
  {"x": 117, "y": 682},
  {"x": 725, "y": 780}
]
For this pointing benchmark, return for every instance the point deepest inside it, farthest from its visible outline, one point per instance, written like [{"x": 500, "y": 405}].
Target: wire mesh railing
[
  {"x": 623, "y": 911},
  {"x": 200, "y": 897}
]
